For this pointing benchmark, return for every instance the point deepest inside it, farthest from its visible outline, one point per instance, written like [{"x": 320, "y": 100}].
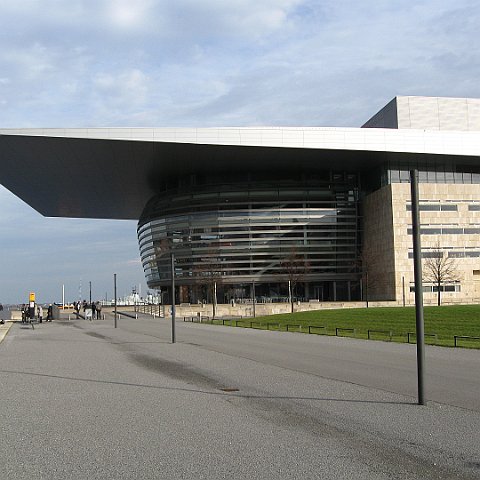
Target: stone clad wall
[
  {"x": 428, "y": 113},
  {"x": 378, "y": 241},
  {"x": 445, "y": 194},
  {"x": 437, "y": 113}
]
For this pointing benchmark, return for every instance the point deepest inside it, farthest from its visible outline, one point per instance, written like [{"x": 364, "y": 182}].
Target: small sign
[{"x": 31, "y": 297}]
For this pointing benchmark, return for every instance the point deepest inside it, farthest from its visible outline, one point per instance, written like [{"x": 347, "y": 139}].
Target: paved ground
[
  {"x": 381, "y": 365},
  {"x": 4, "y": 328},
  {"x": 83, "y": 400}
]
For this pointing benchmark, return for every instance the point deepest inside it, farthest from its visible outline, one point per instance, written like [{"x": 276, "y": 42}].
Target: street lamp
[
  {"x": 417, "y": 267},
  {"x": 115, "y": 297},
  {"x": 172, "y": 258},
  {"x": 253, "y": 299}
]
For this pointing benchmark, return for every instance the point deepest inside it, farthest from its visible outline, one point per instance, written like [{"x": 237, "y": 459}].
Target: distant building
[{"x": 320, "y": 207}]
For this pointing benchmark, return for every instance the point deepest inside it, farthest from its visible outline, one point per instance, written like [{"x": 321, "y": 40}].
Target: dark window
[
  {"x": 427, "y": 254},
  {"x": 452, "y": 231},
  {"x": 456, "y": 254},
  {"x": 449, "y": 208}
]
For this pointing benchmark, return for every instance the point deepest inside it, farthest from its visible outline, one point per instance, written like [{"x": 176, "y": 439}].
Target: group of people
[
  {"x": 91, "y": 310},
  {"x": 36, "y": 312}
]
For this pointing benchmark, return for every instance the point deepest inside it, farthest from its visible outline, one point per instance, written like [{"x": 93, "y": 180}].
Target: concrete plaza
[{"x": 84, "y": 400}]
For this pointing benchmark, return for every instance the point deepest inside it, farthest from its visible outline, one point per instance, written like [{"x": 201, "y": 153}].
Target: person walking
[{"x": 99, "y": 310}]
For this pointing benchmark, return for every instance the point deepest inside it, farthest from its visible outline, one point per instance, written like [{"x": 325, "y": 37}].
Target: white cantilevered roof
[
  {"x": 332, "y": 138},
  {"x": 113, "y": 172}
]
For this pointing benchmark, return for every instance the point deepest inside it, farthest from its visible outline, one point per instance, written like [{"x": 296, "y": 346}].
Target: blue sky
[{"x": 195, "y": 63}]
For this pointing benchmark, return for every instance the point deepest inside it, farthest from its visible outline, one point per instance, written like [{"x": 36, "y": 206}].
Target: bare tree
[
  {"x": 295, "y": 268},
  {"x": 364, "y": 265},
  {"x": 439, "y": 269},
  {"x": 208, "y": 275}
]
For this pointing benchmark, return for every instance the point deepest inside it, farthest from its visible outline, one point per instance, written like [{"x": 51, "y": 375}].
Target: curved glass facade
[{"x": 304, "y": 230}]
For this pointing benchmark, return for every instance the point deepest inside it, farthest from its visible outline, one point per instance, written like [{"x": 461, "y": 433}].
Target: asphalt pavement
[{"x": 83, "y": 400}]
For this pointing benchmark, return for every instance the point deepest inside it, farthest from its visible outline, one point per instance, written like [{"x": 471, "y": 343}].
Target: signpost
[{"x": 31, "y": 305}]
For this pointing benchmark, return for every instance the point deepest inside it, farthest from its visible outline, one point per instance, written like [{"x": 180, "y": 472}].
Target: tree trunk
[
  {"x": 290, "y": 294},
  {"x": 438, "y": 294},
  {"x": 366, "y": 288}
]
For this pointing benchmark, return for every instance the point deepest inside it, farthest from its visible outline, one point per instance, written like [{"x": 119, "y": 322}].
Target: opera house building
[{"x": 325, "y": 211}]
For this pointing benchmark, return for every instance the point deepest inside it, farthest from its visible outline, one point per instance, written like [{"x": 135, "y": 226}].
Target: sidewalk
[
  {"x": 5, "y": 328},
  {"x": 223, "y": 403}
]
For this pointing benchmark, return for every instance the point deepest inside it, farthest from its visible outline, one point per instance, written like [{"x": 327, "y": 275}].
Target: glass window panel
[
  {"x": 452, "y": 231},
  {"x": 458, "y": 177},
  {"x": 449, "y": 208},
  {"x": 449, "y": 177},
  {"x": 456, "y": 254},
  {"x": 394, "y": 176}
]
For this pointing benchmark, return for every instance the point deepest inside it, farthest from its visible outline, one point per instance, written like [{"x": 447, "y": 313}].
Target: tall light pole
[
  {"x": 214, "y": 302},
  {"x": 90, "y": 289},
  {"x": 115, "y": 297},
  {"x": 172, "y": 258},
  {"x": 253, "y": 299},
  {"x": 417, "y": 267}
]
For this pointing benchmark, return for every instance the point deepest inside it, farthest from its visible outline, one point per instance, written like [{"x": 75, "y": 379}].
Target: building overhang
[{"x": 112, "y": 173}]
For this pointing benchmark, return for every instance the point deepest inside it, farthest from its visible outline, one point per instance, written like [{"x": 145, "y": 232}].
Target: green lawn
[{"x": 441, "y": 323}]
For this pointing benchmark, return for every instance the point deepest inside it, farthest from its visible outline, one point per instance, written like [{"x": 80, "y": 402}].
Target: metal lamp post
[
  {"x": 115, "y": 296},
  {"x": 417, "y": 266},
  {"x": 172, "y": 258},
  {"x": 253, "y": 299}
]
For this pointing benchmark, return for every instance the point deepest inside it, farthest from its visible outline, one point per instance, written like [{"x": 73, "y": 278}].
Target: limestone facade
[
  {"x": 450, "y": 225},
  {"x": 378, "y": 256}
]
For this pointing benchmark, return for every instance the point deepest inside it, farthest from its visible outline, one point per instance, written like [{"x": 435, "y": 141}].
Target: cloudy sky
[{"x": 200, "y": 63}]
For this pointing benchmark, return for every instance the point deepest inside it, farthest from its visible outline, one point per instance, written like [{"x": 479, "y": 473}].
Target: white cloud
[
  {"x": 162, "y": 62},
  {"x": 128, "y": 14}
]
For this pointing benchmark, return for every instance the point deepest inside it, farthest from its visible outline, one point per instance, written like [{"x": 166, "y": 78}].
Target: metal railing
[
  {"x": 389, "y": 333},
  {"x": 463, "y": 337}
]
